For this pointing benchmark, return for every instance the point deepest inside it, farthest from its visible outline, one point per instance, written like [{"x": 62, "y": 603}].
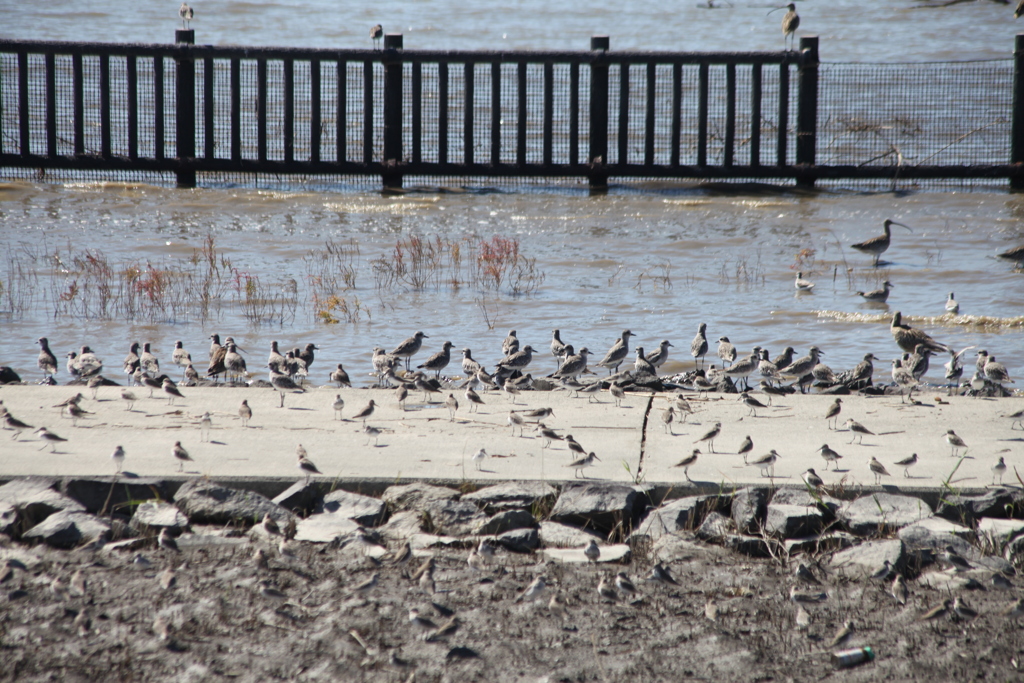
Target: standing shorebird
[
  {"x": 829, "y": 455},
  {"x": 592, "y": 551},
  {"x": 766, "y": 463},
  {"x": 998, "y": 470},
  {"x": 118, "y": 457},
  {"x": 618, "y": 351},
  {"x": 711, "y": 435},
  {"x": 306, "y": 465},
  {"x": 801, "y": 284},
  {"x": 181, "y": 455},
  {"x": 658, "y": 358},
  {"x": 47, "y": 362},
  {"x": 907, "y": 337},
  {"x": 699, "y": 345},
  {"x": 50, "y": 439},
  {"x": 726, "y": 351},
  {"x": 376, "y": 33},
  {"x": 284, "y": 384},
  {"x": 479, "y": 457},
  {"x": 245, "y": 412},
  {"x": 185, "y": 13},
  {"x": 410, "y": 346},
  {"x": 745, "y": 448},
  {"x": 876, "y": 246},
  {"x": 858, "y": 430},
  {"x": 180, "y": 357},
  {"x": 952, "y": 306},
  {"x": 583, "y": 463},
  {"x": 906, "y": 464},
  {"x": 878, "y": 469},
  {"x": 955, "y": 442},
  {"x": 688, "y": 462},
  {"x": 811, "y": 478},
  {"x": 366, "y": 412},
  {"x": 833, "y": 413},
  {"x": 790, "y": 22}
]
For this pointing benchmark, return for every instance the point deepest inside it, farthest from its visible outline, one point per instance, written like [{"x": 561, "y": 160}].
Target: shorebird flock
[{"x": 409, "y": 370}]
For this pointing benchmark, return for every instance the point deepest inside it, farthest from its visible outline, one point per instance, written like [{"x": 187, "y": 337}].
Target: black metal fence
[{"x": 596, "y": 114}]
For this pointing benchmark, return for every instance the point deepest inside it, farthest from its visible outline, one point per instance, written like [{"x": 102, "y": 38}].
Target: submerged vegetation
[{"x": 85, "y": 284}]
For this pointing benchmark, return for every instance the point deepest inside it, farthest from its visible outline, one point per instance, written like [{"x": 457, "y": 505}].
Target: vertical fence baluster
[
  {"x": 495, "y": 113},
  {"x": 393, "y": 116},
  {"x": 599, "y": 46},
  {"x": 677, "y": 122},
  {"x": 623, "y": 159},
  {"x": 702, "y": 117},
  {"x": 782, "y": 133},
  {"x": 367, "y": 112},
  {"x": 158, "y": 104},
  {"x": 133, "y": 108},
  {"x": 185, "y": 109},
  {"x": 649, "y": 115},
  {"x": 549, "y": 114},
  {"x": 521, "y": 114},
  {"x": 261, "y": 110},
  {"x": 236, "y": 109},
  {"x": 315, "y": 124},
  {"x": 755, "y": 114},
  {"x": 341, "y": 116},
  {"x": 468, "y": 112},
  {"x": 1017, "y": 122},
  {"x": 209, "y": 108},
  {"x": 417, "y": 112},
  {"x": 23, "y": 109},
  {"x": 105, "y": 106},
  {"x": 442, "y": 113},
  {"x": 730, "y": 113},
  {"x": 807, "y": 108},
  {"x": 574, "y": 114},
  {"x": 289, "y": 110},
  {"x": 51, "y": 103}
]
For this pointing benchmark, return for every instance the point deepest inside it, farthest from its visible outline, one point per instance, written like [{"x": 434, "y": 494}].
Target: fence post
[
  {"x": 391, "y": 175},
  {"x": 598, "y": 160},
  {"x": 185, "y": 108},
  {"x": 807, "y": 109},
  {"x": 1017, "y": 121}
]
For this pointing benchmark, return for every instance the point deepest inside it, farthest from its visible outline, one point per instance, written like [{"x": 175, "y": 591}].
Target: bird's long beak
[
  {"x": 902, "y": 226},
  {"x": 775, "y": 10}
]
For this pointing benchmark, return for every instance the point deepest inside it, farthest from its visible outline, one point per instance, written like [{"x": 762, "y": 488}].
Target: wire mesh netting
[
  {"x": 937, "y": 114},
  {"x": 530, "y": 117}
]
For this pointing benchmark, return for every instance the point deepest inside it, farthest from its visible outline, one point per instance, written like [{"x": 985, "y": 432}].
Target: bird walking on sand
[
  {"x": 533, "y": 591},
  {"x": 878, "y": 469},
  {"x": 366, "y": 412},
  {"x": 49, "y": 439},
  {"x": 171, "y": 391},
  {"x": 372, "y": 433},
  {"x": 307, "y": 466},
  {"x": 745, "y": 448},
  {"x": 515, "y": 420},
  {"x": 474, "y": 400},
  {"x": 582, "y": 463},
  {"x": 626, "y": 586},
  {"x": 181, "y": 455},
  {"x": 830, "y": 456},
  {"x": 699, "y": 345},
  {"x": 118, "y": 457},
  {"x": 245, "y": 412},
  {"x": 811, "y": 478},
  {"x": 833, "y": 413},
  {"x": 205, "y": 424},
  {"x": 452, "y": 404},
  {"x": 906, "y": 464},
  {"x": 998, "y": 470},
  {"x": 955, "y": 442},
  {"x": 479, "y": 457},
  {"x": 710, "y": 436},
  {"x": 592, "y": 551},
  {"x": 858, "y": 430},
  {"x": 766, "y": 463},
  {"x": 687, "y": 462},
  {"x": 667, "y": 417}
]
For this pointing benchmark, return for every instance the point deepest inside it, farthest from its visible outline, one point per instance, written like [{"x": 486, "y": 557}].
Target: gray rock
[
  {"x": 794, "y": 496},
  {"x": 833, "y": 541},
  {"x": 325, "y": 528},
  {"x": 520, "y": 540},
  {"x": 595, "y": 505},
  {"x": 1015, "y": 550},
  {"x": 160, "y": 515},
  {"x": 97, "y": 494},
  {"x": 716, "y": 527},
  {"x": 749, "y": 509},
  {"x": 793, "y": 521},
  {"x": 506, "y": 521},
  {"x": 453, "y": 517},
  {"x": 555, "y": 535},
  {"x": 883, "y": 512},
  {"x": 365, "y": 510},
  {"x": 25, "y": 502},
  {"x": 416, "y": 496},
  {"x": 995, "y": 502},
  {"x": 999, "y": 532},
  {"x": 513, "y": 495},
  {"x": 403, "y": 525},
  {"x": 681, "y": 514},
  {"x": 867, "y": 558},
  {"x": 936, "y": 533},
  {"x": 205, "y": 502},
  {"x": 301, "y": 497},
  {"x": 67, "y": 529}
]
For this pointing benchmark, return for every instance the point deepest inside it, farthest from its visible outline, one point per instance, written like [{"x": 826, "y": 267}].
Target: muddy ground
[{"x": 215, "y": 624}]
